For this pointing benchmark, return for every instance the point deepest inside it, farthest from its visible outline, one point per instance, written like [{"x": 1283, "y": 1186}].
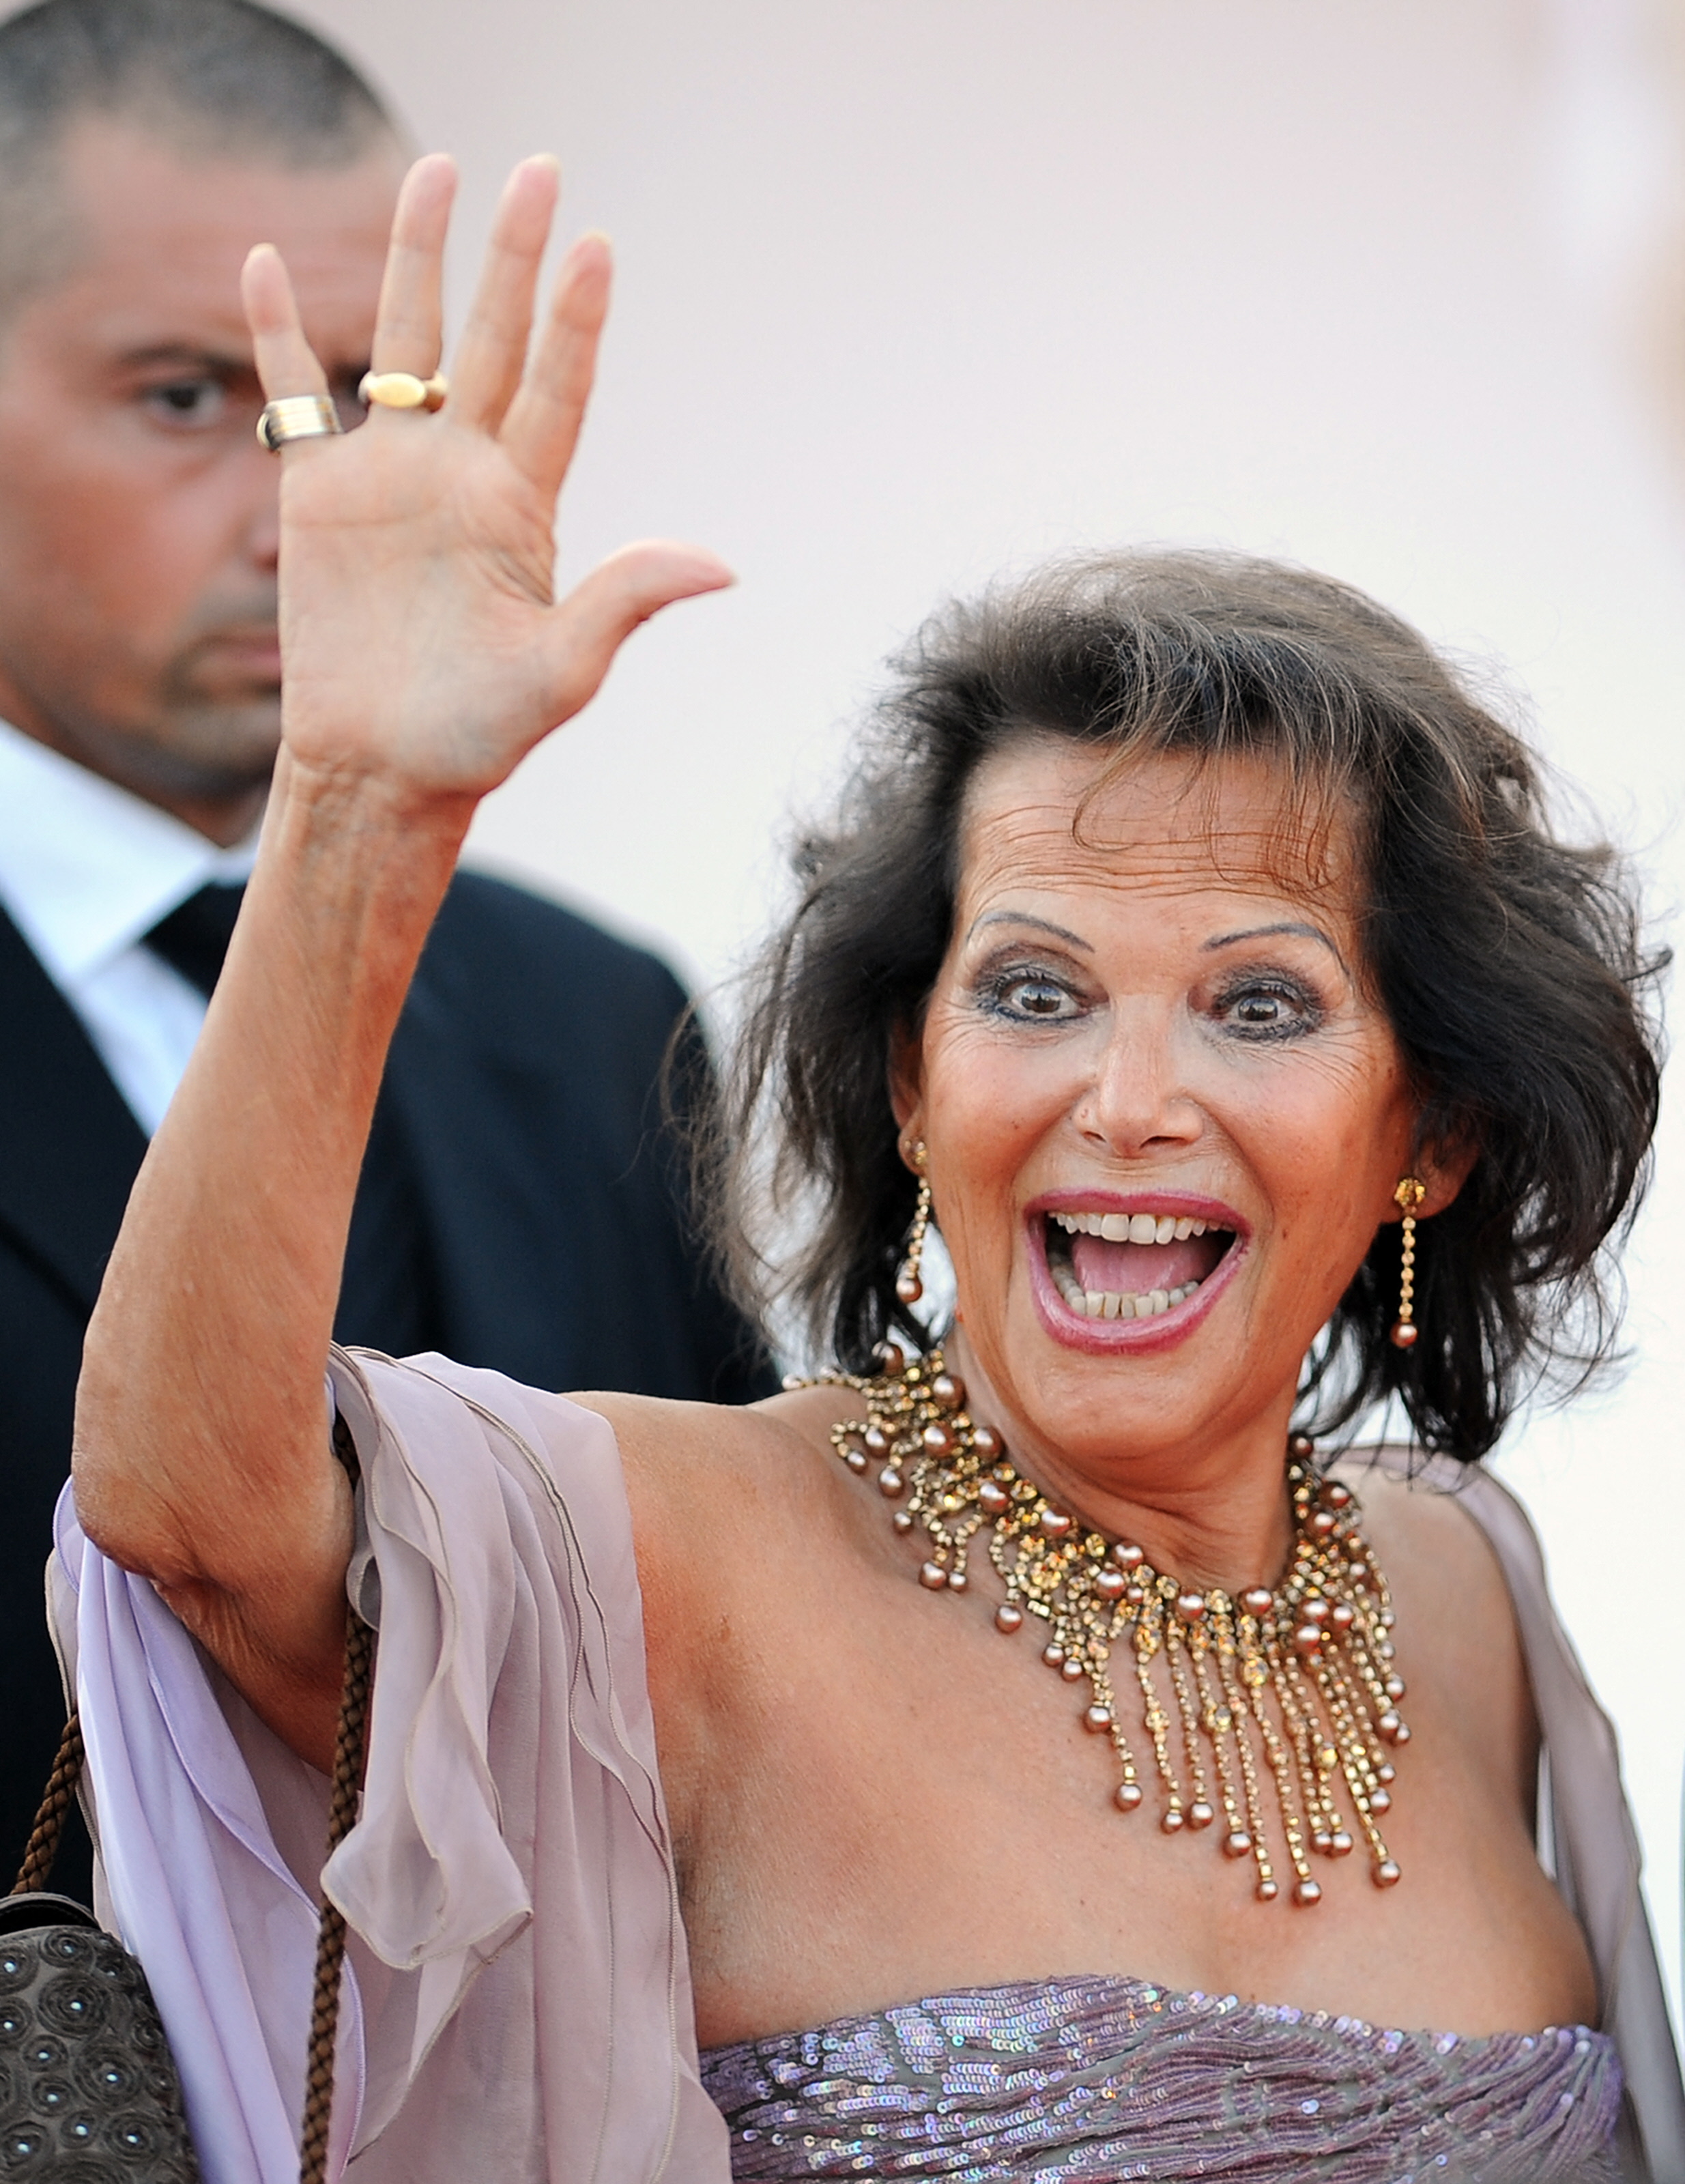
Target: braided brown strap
[
  {"x": 349, "y": 1752},
  {"x": 55, "y": 1810}
]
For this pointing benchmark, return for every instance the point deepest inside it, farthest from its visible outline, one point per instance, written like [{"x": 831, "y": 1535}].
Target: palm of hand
[
  {"x": 416, "y": 609},
  {"x": 421, "y": 643}
]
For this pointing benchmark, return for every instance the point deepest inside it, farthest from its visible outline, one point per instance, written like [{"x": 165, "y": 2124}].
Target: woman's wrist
[
  {"x": 339, "y": 837},
  {"x": 372, "y": 804}
]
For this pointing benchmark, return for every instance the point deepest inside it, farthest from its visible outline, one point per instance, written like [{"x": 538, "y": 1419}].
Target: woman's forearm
[
  {"x": 202, "y": 1457},
  {"x": 425, "y": 652}
]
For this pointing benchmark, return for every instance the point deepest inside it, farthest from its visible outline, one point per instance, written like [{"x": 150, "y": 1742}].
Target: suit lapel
[{"x": 70, "y": 1148}]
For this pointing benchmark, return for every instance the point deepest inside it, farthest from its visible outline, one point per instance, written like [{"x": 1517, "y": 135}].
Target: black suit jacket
[{"x": 538, "y": 1185}]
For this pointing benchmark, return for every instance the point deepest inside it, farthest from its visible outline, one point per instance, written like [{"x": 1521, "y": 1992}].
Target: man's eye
[{"x": 198, "y": 401}]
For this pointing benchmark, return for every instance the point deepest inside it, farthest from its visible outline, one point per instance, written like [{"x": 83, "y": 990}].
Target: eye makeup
[{"x": 1269, "y": 1003}]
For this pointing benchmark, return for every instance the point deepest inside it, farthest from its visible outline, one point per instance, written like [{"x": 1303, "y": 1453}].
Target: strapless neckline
[
  {"x": 1090, "y": 2079},
  {"x": 1156, "y": 1995}
]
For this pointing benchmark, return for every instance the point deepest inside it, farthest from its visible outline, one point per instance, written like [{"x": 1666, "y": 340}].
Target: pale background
[{"x": 913, "y": 290}]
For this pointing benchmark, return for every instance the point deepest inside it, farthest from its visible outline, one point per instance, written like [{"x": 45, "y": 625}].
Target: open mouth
[{"x": 1131, "y": 1265}]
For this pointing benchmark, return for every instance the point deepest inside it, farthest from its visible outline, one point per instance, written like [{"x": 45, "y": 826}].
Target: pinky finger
[{"x": 287, "y": 364}]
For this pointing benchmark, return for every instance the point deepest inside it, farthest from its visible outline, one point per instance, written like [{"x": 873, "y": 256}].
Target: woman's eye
[
  {"x": 1039, "y": 1000},
  {"x": 1269, "y": 1009},
  {"x": 190, "y": 402}
]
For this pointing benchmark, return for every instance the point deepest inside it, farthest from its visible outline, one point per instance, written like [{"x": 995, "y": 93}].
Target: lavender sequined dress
[{"x": 1075, "y": 2080}]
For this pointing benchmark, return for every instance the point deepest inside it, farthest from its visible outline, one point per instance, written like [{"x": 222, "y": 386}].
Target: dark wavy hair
[{"x": 1509, "y": 963}]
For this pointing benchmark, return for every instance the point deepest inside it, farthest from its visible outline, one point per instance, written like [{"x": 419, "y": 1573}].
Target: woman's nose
[{"x": 1138, "y": 1096}]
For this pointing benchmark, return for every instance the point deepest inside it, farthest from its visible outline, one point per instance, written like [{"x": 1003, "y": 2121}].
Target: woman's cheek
[{"x": 996, "y": 1097}]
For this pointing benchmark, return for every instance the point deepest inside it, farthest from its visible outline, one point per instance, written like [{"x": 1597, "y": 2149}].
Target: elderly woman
[{"x": 990, "y": 1761}]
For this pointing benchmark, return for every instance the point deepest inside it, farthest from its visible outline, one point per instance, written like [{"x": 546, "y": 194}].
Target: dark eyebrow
[
  {"x": 1041, "y": 924},
  {"x": 1264, "y": 932},
  {"x": 224, "y": 363}
]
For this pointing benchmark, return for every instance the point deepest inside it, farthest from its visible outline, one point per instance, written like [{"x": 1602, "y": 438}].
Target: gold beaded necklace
[{"x": 1319, "y": 1642}]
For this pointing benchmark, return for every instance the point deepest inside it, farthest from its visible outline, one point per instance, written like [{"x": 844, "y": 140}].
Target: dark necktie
[
  {"x": 388, "y": 1294},
  {"x": 193, "y": 939}
]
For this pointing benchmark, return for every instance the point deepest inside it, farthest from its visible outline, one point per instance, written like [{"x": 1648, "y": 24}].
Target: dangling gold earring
[
  {"x": 907, "y": 1286},
  {"x": 1407, "y": 1197}
]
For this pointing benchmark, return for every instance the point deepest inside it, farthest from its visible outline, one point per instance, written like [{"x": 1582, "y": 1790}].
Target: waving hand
[
  {"x": 421, "y": 638},
  {"x": 424, "y": 653}
]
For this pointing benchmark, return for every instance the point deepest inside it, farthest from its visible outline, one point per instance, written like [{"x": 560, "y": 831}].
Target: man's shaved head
[
  {"x": 145, "y": 146},
  {"x": 209, "y": 78}
]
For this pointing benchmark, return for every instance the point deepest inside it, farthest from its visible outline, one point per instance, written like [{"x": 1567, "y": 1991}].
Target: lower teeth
[{"x": 1096, "y": 1304}]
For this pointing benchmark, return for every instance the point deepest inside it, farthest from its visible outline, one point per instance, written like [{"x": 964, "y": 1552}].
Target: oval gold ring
[{"x": 402, "y": 390}]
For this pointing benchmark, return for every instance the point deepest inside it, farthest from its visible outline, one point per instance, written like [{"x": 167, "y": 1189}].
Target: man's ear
[{"x": 907, "y": 1080}]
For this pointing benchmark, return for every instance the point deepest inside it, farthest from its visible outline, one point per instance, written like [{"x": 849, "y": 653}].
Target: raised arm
[{"x": 424, "y": 655}]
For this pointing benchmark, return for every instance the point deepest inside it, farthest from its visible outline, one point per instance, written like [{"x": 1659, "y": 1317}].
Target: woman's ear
[
  {"x": 1444, "y": 1168},
  {"x": 907, "y": 1081}
]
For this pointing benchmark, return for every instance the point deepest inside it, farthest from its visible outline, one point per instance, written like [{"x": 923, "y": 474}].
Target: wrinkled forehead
[{"x": 1046, "y": 812}]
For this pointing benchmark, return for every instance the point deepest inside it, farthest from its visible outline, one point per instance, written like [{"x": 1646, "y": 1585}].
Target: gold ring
[
  {"x": 402, "y": 390},
  {"x": 296, "y": 417}
]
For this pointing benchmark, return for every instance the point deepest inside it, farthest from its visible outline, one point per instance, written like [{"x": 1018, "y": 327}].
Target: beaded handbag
[
  {"x": 89, "y": 2092},
  {"x": 88, "y": 2089}
]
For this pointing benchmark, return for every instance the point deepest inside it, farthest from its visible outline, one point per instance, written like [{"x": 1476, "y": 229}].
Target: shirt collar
[{"x": 86, "y": 869}]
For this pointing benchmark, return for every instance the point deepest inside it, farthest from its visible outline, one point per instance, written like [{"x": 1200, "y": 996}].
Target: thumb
[{"x": 589, "y": 627}]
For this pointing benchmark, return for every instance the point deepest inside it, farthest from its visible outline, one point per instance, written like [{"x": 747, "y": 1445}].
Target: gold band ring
[
  {"x": 296, "y": 417},
  {"x": 402, "y": 390}
]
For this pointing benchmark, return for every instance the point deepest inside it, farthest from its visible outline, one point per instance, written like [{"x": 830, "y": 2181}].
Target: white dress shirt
[{"x": 86, "y": 870}]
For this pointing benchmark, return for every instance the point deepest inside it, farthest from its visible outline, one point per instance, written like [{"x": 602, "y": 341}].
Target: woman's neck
[{"x": 1214, "y": 1512}]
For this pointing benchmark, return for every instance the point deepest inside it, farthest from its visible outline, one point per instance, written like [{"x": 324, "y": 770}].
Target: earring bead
[{"x": 1407, "y": 1196}]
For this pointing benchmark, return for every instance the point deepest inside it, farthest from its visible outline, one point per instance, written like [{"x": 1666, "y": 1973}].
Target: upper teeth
[
  {"x": 1132, "y": 1227},
  {"x": 1123, "y": 1229}
]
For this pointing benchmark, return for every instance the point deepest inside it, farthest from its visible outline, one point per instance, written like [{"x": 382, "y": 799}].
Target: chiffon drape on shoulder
[{"x": 518, "y": 2004}]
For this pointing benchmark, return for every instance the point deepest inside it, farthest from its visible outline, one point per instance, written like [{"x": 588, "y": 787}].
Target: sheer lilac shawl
[
  {"x": 519, "y": 2004},
  {"x": 518, "y": 2001}
]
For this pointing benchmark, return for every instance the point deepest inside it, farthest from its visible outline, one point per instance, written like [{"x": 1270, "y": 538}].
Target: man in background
[{"x": 523, "y": 1204}]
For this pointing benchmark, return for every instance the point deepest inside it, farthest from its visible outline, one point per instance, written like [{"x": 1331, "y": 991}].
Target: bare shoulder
[
  {"x": 732, "y": 1510},
  {"x": 1459, "y": 1645},
  {"x": 1430, "y": 1543},
  {"x": 700, "y": 1474}
]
